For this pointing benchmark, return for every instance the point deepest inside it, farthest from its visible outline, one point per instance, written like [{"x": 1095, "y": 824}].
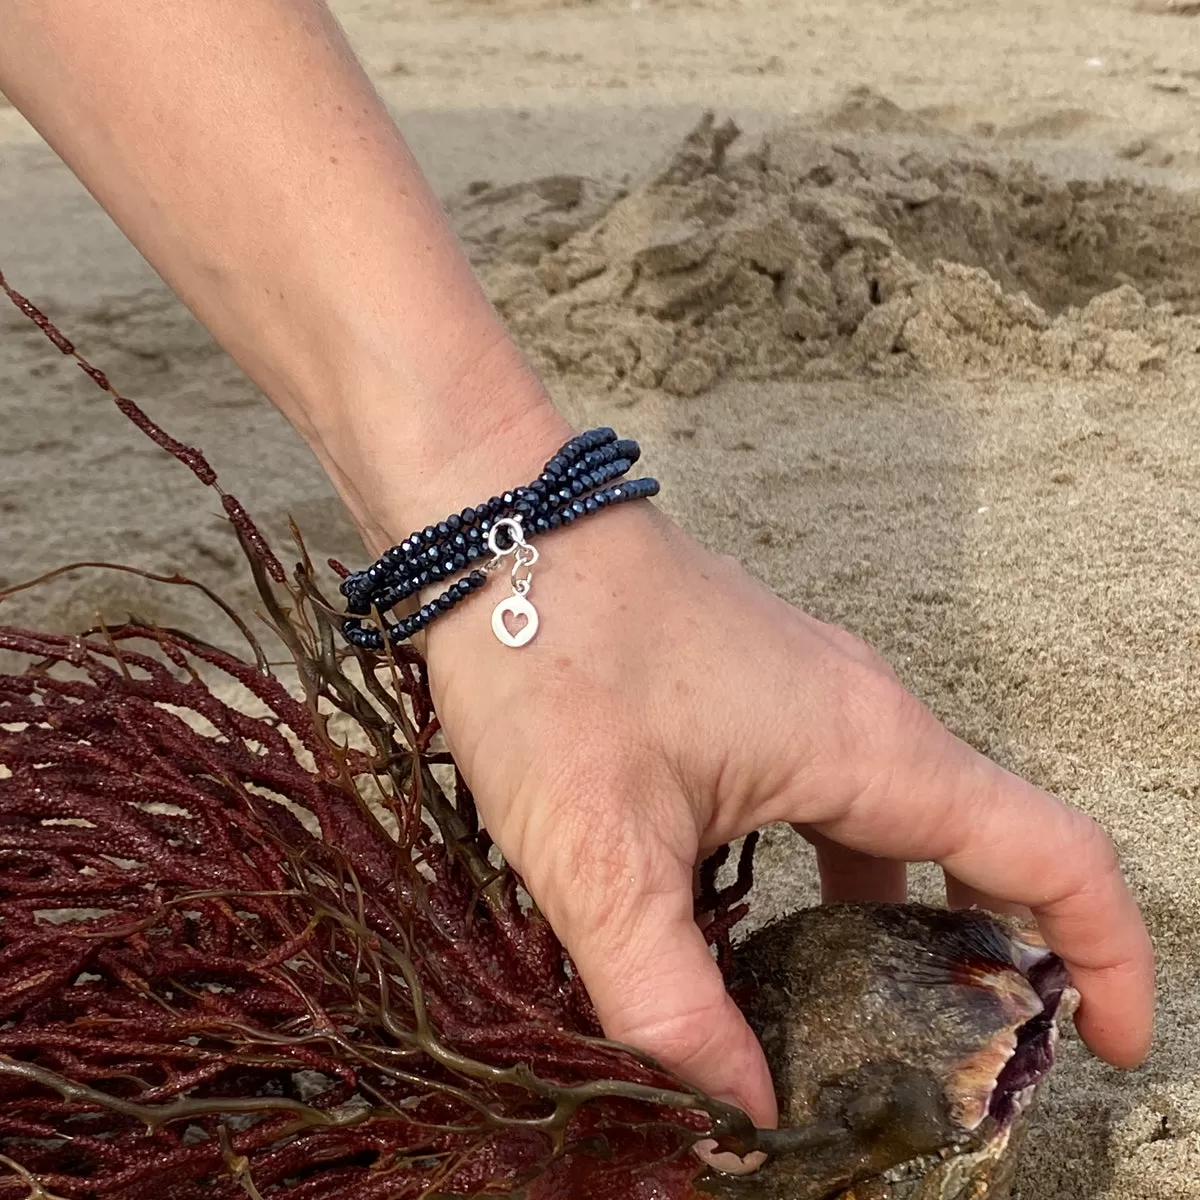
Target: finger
[
  {"x": 626, "y": 919},
  {"x": 1013, "y": 842},
  {"x": 962, "y": 895},
  {"x": 851, "y": 876},
  {"x": 918, "y": 793}
]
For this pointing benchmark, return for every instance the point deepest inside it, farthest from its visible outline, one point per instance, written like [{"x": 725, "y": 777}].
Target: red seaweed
[{"x": 253, "y": 943}]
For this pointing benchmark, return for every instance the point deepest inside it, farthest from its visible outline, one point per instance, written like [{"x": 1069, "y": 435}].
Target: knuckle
[
  {"x": 684, "y": 1038},
  {"x": 880, "y": 715}
]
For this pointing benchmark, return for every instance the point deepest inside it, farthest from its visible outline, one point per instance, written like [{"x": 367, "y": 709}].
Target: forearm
[{"x": 242, "y": 150}]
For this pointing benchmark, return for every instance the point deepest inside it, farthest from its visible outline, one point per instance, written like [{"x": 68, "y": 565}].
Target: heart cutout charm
[{"x": 514, "y": 621}]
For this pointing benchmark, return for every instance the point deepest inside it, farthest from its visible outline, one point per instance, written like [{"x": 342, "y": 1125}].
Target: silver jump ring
[{"x": 513, "y": 525}]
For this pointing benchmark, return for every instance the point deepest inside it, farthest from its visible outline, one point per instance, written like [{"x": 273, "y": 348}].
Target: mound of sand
[{"x": 816, "y": 255}]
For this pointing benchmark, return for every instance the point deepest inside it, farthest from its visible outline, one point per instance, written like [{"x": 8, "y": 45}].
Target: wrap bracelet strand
[{"x": 585, "y": 476}]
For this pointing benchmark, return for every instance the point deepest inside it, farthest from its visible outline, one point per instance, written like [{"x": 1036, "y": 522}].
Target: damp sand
[{"x": 916, "y": 335}]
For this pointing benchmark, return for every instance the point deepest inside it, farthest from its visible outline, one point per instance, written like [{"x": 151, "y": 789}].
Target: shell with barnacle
[{"x": 908, "y": 1044}]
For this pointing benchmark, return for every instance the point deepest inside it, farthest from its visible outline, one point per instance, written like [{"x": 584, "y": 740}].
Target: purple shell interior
[{"x": 1036, "y": 1040}]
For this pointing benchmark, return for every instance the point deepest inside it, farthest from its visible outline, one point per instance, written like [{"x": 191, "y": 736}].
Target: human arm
[{"x": 240, "y": 147}]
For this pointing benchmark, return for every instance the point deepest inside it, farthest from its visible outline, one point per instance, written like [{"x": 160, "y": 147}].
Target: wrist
[{"x": 402, "y": 461}]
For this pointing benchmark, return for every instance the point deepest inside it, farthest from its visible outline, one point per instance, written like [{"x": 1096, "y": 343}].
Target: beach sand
[{"x": 920, "y": 343}]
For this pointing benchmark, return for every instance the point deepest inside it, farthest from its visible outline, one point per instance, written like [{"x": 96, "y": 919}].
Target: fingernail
[{"x": 726, "y": 1161}]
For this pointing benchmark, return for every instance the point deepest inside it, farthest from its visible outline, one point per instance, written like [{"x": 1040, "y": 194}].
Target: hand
[{"x": 670, "y": 703}]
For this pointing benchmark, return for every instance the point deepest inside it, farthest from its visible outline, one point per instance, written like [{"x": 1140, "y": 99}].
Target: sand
[{"x": 920, "y": 342}]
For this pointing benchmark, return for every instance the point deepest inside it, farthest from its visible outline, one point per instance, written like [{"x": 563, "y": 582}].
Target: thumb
[{"x": 627, "y": 921}]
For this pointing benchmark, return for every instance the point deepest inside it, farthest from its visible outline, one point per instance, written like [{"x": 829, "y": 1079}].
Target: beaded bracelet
[{"x": 579, "y": 480}]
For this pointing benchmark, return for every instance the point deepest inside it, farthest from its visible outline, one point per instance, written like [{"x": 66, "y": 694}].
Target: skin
[{"x": 669, "y": 702}]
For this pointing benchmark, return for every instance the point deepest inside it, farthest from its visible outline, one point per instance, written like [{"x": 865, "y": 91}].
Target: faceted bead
[
  {"x": 443, "y": 529},
  {"x": 429, "y": 534},
  {"x": 590, "y": 505},
  {"x": 454, "y": 523},
  {"x": 459, "y": 561},
  {"x": 468, "y": 516}
]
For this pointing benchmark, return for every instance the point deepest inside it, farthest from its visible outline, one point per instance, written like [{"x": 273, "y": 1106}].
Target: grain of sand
[{"x": 919, "y": 344}]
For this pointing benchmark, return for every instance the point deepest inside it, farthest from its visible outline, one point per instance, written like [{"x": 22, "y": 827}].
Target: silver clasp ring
[{"x": 513, "y": 525}]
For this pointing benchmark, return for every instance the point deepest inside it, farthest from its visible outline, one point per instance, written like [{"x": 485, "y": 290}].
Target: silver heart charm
[{"x": 517, "y": 606}]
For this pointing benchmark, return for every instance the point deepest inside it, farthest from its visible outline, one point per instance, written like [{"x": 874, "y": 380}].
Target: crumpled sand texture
[{"x": 808, "y": 255}]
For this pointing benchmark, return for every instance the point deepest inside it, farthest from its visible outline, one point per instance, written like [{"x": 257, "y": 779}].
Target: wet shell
[{"x": 908, "y": 1045}]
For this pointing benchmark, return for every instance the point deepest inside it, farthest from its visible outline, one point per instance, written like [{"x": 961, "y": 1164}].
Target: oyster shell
[{"x": 908, "y": 1045}]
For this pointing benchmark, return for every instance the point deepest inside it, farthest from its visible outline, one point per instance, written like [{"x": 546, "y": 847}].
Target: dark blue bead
[
  {"x": 423, "y": 578},
  {"x": 435, "y": 572},
  {"x": 406, "y": 548},
  {"x": 590, "y": 505},
  {"x": 448, "y": 566},
  {"x": 576, "y": 487},
  {"x": 429, "y": 533},
  {"x": 468, "y": 516},
  {"x": 577, "y": 508},
  {"x": 460, "y": 561},
  {"x": 473, "y": 552},
  {"x": 444, "y": 602},
  {"x": 477, "y": 579},
  {"x": 494, "y": 504},
  {"x": 508, "y": 498},
  {"x": 565, "y": 493},
  {"x": 484, "y": 526},
  {"x": 473, "y": 535},
  {"x": 443, "y": 529},
  {"x": 568, "y": 515},
  {"x": 454, "y": 522},
  {"x": 554, "y": 520}
]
